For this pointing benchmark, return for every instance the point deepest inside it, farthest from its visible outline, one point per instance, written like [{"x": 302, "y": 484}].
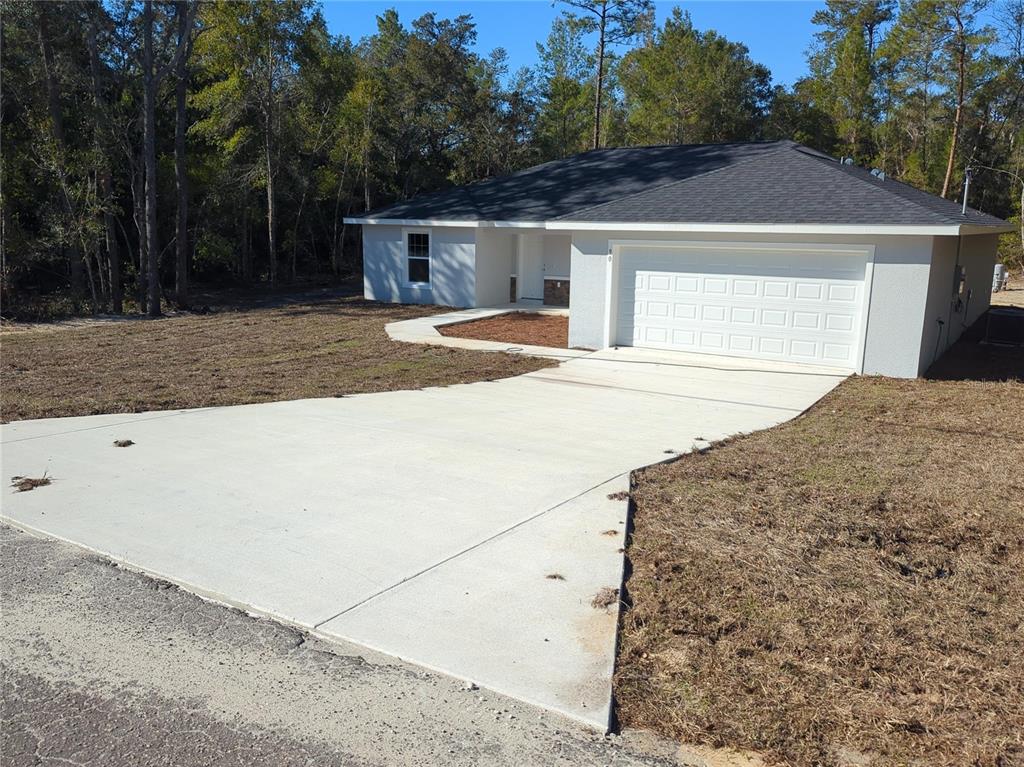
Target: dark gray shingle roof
[{"x": 776, "y": 182}]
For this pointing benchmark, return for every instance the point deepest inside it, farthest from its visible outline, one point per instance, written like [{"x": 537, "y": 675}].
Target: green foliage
[
  {"x": 214, "y": 258},
  {"x": 689, "y": 86},
  {"x": 566, "y": 90}
]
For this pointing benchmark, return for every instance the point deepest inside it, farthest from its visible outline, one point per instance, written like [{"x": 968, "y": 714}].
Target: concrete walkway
[
  {"x": 423, "y": 330},
  {"x": 423, "y": 524}
]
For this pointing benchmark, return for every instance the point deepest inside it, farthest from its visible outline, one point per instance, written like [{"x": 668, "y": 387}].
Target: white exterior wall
[
  {"x": 452, "y": 266},
  {"x": 899, "y": 291},
  {"x": 898, "y": 284},
  {"x": 589, "y": 263},
  {"x": 977, "y": 254},
  {"x": 495, "y": 264}
]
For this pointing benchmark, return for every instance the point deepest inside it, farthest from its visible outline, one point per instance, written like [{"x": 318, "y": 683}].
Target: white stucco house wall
[{"x": 762, "y": 250}]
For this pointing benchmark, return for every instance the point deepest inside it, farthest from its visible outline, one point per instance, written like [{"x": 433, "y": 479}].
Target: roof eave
[
  {"x": 707, "y": 227},
  {"x": 469, "y": 223},
  {"x": 781, "y": 228}
]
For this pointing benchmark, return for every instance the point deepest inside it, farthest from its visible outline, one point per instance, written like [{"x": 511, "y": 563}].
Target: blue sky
[{"x": 777, "y": 32}]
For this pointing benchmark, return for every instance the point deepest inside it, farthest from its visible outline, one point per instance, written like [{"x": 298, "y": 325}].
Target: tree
[
  {"x": 251, "y": 53},
  {"x": 152, "y": 75},
  {"x": 60, "y": 150},
  {"x": 104, "y": 148},
  {"x": 946, "y": 37},
  {"x": 565, "y": 95},
  {"x": 795, "y": 114},
  {"x": 853, "y": 102},
  {"x": 185, "y": 13},
  {"x": 838, "y": 17},
  {"x": 844, "y": 72},
  {"x": 615, "y": 22},
  {"x": 689, "y": 86}
]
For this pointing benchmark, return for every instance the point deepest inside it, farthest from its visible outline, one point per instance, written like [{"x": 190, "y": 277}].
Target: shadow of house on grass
[{"x": 972, "y": 358}]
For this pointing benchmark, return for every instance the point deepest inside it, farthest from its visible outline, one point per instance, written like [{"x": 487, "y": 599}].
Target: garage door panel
[
  {"x": 842, "y": 323},
  {"x": 686, "y": 338},
  {"x": 716, "y": 286},
  {"x": 802, "y": 349},
  {"x": 741, "y": 343},
  {"x": 842, "y": 293},
  {"x": 799, "y": 306},
  {"x": 713, "y": 313},
  {"x": 837, "y": 352},
  {"x": 683, "y": 311},
  {"x": 744, "y": 315},
  {"x": 806, "y": 320}
]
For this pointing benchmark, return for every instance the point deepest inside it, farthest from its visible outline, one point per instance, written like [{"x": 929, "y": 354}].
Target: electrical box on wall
[
  {"x": 959, "y": 280},
  {"x": 959, "y": 286}
]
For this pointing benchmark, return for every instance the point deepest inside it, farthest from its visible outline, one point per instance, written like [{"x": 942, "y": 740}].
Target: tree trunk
[
  {"x": 600, "y": 77},
  {"x": 271, "y": 240},
  {"x": 113, "y": 248},
  {"x": 149, "y": 159},
  {"x": 180, "y": 173},
  {"x": 335, "y": 245},
  {"x": 139, "y": 217},
  {"x": 268, "y": 129},
  {"x": 961, "y": 77},
  {"x": 87, "y": 261},
  {"x": 246, "y": 265},
  {"x": 1022, "y": 228},
  {"x": 295, "y": 237},
  {"x": 106, "y": 185},
  {"x": 57, "y": 128}
]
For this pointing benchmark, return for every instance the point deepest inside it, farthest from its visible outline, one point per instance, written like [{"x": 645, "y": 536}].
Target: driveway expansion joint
[{"x": 468, "y": 549}]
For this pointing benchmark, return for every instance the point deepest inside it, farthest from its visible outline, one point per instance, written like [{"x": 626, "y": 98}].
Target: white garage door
[{"x": 797, "y": 305}]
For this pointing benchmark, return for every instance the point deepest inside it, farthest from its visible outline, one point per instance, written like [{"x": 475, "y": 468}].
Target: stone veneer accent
[{"x": 556, "y": 292}]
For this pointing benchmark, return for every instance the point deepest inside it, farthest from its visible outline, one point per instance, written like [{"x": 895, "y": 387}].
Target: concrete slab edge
[{"x": 603, "y": 725}]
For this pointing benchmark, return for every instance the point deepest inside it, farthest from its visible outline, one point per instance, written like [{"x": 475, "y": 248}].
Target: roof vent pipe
[
  {"x": 847, "y": 161},
  {"x": 967, "y": 187}
]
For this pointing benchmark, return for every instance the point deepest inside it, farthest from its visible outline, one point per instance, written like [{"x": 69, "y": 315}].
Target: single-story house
[{"x": 768, "y": 250}]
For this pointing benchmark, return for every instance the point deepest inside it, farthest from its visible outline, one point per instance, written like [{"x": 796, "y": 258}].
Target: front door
[{"x": 531, "y": 267}]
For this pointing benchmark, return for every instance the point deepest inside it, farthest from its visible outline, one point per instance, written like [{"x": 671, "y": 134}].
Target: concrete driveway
[{"x": 423, "y": 524}]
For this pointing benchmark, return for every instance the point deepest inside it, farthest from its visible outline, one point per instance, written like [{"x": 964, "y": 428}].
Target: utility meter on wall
[{"x": 959, "y": 286}]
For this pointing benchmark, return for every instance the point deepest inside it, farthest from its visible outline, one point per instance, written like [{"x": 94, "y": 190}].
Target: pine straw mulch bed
[
  {"x": 522, "y": 328},
  {"x": 325, "y": 349},
  {"x": 846, "y": 586}
]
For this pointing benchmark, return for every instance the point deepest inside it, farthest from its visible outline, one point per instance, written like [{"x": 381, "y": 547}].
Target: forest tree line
[{"x": 151, "y": 146}]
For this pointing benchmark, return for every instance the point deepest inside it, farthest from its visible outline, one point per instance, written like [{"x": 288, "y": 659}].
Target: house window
[{"x": 418, "y": 256}]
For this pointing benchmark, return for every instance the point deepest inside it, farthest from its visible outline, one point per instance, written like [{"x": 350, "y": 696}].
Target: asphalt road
[{"x": 102, "y": 666}]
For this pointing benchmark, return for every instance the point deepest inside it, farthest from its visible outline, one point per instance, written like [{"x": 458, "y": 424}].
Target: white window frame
[{"x": 406, "y": 231}]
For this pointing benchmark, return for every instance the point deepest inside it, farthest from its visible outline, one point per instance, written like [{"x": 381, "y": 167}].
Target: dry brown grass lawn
[
  {"x": 524, "y": 328},
  {"x": 325, "y": 349},
  {"x": 1012, "y": 296},
  {"x": 847, "y": 585}
]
